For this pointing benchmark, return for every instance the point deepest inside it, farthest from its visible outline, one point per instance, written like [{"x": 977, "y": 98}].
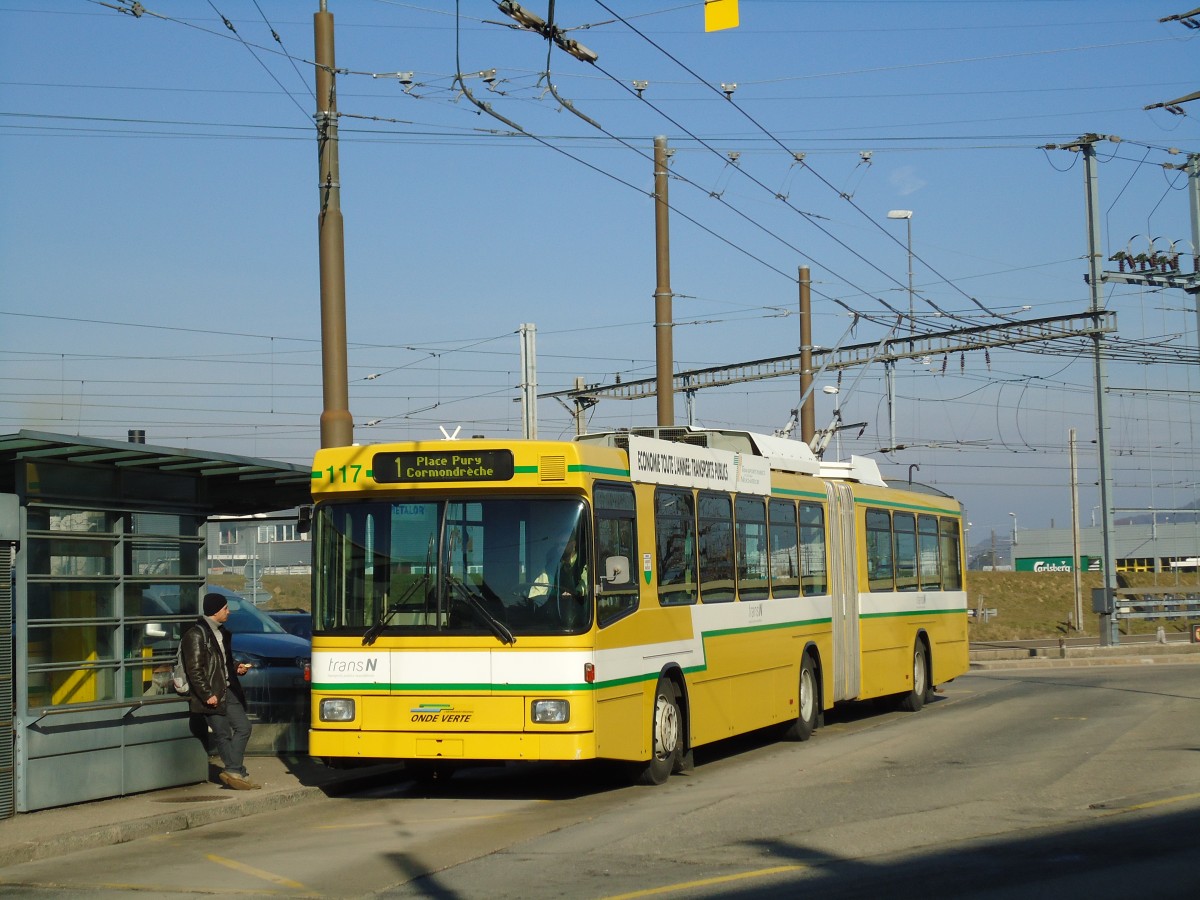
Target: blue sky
[{"x": 158, "y": 231}]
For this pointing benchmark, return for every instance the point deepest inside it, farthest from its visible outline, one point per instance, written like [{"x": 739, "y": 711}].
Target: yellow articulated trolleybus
[{"x": 626, "y": 596}]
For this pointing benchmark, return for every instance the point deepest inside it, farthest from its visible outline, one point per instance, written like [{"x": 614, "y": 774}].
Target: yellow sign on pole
[{"x": 720, "y": 14}]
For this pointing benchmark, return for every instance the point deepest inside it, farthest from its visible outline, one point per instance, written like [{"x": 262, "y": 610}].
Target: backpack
[{"x": 179, "y": 679}]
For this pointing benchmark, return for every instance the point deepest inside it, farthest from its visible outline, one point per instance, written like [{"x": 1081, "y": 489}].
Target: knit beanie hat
[{"x": 213, "y": 604}]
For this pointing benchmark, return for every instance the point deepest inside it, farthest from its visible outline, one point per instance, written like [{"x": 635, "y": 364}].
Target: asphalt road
[{"x": 1041, "y": 782}]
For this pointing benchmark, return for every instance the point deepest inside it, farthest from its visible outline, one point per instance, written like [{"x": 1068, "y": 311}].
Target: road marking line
[
  {"x": 132, "y": 887},
  {"x": 705, "y": 882},
  {"x": 1107, "y": 810},
  {"x": 256, "y": 873},
  {"x": 1153, "y": 803}
]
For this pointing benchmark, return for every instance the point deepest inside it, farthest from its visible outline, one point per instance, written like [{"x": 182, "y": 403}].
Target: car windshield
[
  {"x": 504, "y": 567},
  {"x": 245, "y": 618},
  {"x": 299, "y": 624}
]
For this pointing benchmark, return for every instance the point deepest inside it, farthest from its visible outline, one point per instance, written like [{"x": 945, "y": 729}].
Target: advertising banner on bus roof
[{"x": 686, "y": 465}]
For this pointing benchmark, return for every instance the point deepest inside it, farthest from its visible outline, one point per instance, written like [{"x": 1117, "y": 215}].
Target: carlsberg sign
[{"x": 1052, "y": 564}]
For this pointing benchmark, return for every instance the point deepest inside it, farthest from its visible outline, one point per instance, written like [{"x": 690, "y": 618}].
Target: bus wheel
[
  {"x": 666, "y": 732},
  {"x": 915, "y": 699},
  {"x": 802, "y": 727}
]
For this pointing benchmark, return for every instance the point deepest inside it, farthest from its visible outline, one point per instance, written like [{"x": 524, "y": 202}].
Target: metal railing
[{"x": 1166, "y": 603}]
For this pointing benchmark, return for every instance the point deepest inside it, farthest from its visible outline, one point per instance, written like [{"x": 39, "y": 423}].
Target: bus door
[{"x": 843, "y": 587}]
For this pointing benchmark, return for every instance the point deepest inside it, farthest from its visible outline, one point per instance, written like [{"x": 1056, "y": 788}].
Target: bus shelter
[{"x": 102, "y": 561}]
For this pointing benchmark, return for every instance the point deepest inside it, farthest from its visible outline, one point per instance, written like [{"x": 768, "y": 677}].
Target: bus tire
[
  {"x": 665, "y": 734},
  {"x": 915, "y": 699},
  {"x": 808, "y": 704}
]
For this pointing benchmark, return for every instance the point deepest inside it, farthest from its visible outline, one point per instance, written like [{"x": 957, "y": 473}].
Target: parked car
[
  {"x": 277, "y": 685},
  {"x": 294, "y": 621}
]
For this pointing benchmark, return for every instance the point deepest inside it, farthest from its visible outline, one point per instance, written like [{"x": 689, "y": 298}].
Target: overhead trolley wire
[{"x": 807, "y": 216}]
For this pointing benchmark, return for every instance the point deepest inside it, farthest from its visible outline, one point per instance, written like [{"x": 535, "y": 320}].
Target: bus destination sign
[{"x": 427, "y": 467}]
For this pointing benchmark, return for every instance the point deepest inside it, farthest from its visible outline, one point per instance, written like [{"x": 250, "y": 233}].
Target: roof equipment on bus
[{"x": 784, "y": 455}]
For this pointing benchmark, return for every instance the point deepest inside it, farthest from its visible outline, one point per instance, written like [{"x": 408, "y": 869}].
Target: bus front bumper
[{"x": 528, "y": 747}]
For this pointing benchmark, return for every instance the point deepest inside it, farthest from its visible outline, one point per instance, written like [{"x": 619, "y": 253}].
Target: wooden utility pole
[
  {"x": 663, "y": 346},
  {"x": 337, "y": 426},
  {"x": 808, "y": 424}
]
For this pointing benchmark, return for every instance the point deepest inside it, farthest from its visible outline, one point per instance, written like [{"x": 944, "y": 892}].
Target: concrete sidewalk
[
  {"x": 1070, "y": 656},
  {"x": 286, "y": 781},
  {"x": 291, "y": 780}
]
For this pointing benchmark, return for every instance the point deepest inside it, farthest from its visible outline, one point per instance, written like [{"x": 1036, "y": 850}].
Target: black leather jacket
[{"x": 202, "y": 661}]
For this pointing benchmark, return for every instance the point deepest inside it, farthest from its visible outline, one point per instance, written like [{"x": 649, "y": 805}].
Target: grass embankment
[
  {"x": 1028, "y": 604},
  {"x": 1033, "y": 605},
  {"x": 287, "y": 591}
]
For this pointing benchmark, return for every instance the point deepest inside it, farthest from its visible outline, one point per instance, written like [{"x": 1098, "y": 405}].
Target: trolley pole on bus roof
[
  {"x": 337, "y": 426},
  {"x": 664, "y": 351}
]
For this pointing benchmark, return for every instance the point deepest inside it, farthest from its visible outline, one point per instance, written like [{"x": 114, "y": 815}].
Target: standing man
[{"x": 215, "y": 692}]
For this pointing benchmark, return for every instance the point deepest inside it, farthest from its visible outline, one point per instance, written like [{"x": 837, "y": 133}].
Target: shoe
[{"x": 238, "y": 782}]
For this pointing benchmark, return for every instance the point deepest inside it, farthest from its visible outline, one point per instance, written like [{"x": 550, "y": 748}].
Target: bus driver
[{"x": 564, "y": 578}]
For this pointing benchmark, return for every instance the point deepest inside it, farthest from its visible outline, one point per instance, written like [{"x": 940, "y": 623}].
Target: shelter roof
[{"x": 235, "y": 484}]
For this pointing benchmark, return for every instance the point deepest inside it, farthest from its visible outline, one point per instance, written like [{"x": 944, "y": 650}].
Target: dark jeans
[{"x": 231, "y": 733}]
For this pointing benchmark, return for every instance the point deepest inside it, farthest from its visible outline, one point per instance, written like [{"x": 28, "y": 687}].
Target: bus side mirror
[{"x": 616, "y": 570}]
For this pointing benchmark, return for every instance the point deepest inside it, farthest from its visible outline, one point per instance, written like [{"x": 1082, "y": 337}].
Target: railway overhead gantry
[{"x": 893, "y": 348}]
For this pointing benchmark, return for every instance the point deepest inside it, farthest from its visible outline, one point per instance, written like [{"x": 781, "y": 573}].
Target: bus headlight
[
  {"x": 551, "y": 711},
  {"x": 337, "y": 709}
]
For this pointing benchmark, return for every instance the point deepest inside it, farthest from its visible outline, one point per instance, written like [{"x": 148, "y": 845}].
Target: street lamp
[
  {"x": 834, "y": 390},
  {"x": 1014, "y": 536},
  {"x": 907, "y": 215}
]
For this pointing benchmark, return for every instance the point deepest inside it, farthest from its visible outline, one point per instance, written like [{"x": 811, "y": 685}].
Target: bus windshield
[{"x": 504, "y": 567}]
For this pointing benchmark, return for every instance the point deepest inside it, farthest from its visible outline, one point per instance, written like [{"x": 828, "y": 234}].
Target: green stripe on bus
[
  {"x": 599, "y": 470},
  {"x": 426, "y": 688},
  {"x": 536, "y": 688},
  {"x": 891, "y": 504},
  {"x": 787, "y": 492},
  {"x": 750, "y": 629},
  {"x": 525, "y": 470},
  {"x": 913, "y": 612}
]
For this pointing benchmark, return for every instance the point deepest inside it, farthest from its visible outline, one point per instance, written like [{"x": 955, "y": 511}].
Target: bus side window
[
  {"x": 616, "y": 536},
  {"x": 784, "y": 551},
  {"x": 927, "y": 553},
  {"x": 879, "y": 550},
  {"x": 812, "y": 554},
  {"x": 904, "y": 533},
  {"x": 751, "y": 541},
  {"x": 675, "y": 539},
  {"x": 950, "y": 560},
  {"x": 716, "y": 548}
]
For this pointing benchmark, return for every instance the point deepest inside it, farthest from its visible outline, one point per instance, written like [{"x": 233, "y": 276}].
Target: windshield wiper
[
  {"x": 498, "y": 628},
  {"x": 373, "y": 633},
  {"x": 376, "y": 630}
]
